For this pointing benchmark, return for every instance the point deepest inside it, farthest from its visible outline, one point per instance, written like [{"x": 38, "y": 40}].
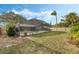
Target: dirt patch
[{"x": 6, "y": 41}]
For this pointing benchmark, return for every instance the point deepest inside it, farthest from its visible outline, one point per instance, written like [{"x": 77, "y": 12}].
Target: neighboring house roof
[
  {"x": 3, "y": 23},
  {"x": 25, "y": 25},
  {"x": 3, "y": 20}
]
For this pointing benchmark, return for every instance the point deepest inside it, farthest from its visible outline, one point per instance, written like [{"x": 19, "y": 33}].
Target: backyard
[
  {"x": 49, "y": 42},
  {"x": 39, "y": 32}
]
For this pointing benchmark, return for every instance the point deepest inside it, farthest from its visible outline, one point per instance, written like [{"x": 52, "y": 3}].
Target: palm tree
[{"x": 55, "y": 14}]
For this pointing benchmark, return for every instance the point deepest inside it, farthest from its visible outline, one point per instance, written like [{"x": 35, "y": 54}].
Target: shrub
[
  {"x": 74, "y": 35},
  {"x": 74, "y": 31},
  {"x": 10, "y": 29}
]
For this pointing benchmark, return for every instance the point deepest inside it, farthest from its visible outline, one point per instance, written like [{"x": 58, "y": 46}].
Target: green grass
[
  {"x": 50, "y": 42},
  {"x": 51, "y": 33}
]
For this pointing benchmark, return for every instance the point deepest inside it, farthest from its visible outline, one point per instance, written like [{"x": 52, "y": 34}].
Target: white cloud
[
  {"x": 16, "y": 12},
  {"x": 42, "y": 15}
]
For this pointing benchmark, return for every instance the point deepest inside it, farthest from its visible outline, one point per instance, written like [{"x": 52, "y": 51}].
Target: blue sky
[{"x": 40, "y": 11}]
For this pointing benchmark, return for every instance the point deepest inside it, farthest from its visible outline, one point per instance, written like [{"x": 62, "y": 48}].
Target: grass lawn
[{"x": 49, "y": 42}]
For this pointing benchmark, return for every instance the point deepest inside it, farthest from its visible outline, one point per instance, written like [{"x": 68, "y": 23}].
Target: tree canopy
[{"x": 71, "y": 18}]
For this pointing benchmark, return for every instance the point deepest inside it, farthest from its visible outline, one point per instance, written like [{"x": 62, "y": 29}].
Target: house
[
  {"x": 28, "y": 27},
  {"x": 33, "y": 25}
]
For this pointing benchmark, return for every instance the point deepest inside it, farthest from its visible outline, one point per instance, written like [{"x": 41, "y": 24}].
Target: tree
[
  {"x": 55, "y": 14},
  {"x": 71, "y": 18}
]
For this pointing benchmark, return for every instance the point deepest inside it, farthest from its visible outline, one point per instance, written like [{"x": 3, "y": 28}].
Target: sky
[{"x": 40, "y": 11}]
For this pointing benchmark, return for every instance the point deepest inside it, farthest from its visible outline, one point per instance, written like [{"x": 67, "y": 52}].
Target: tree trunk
[{"x": 56, "y": 22}]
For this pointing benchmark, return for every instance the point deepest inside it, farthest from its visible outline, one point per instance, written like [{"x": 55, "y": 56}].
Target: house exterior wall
[{"x": 29, "y": 28}]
